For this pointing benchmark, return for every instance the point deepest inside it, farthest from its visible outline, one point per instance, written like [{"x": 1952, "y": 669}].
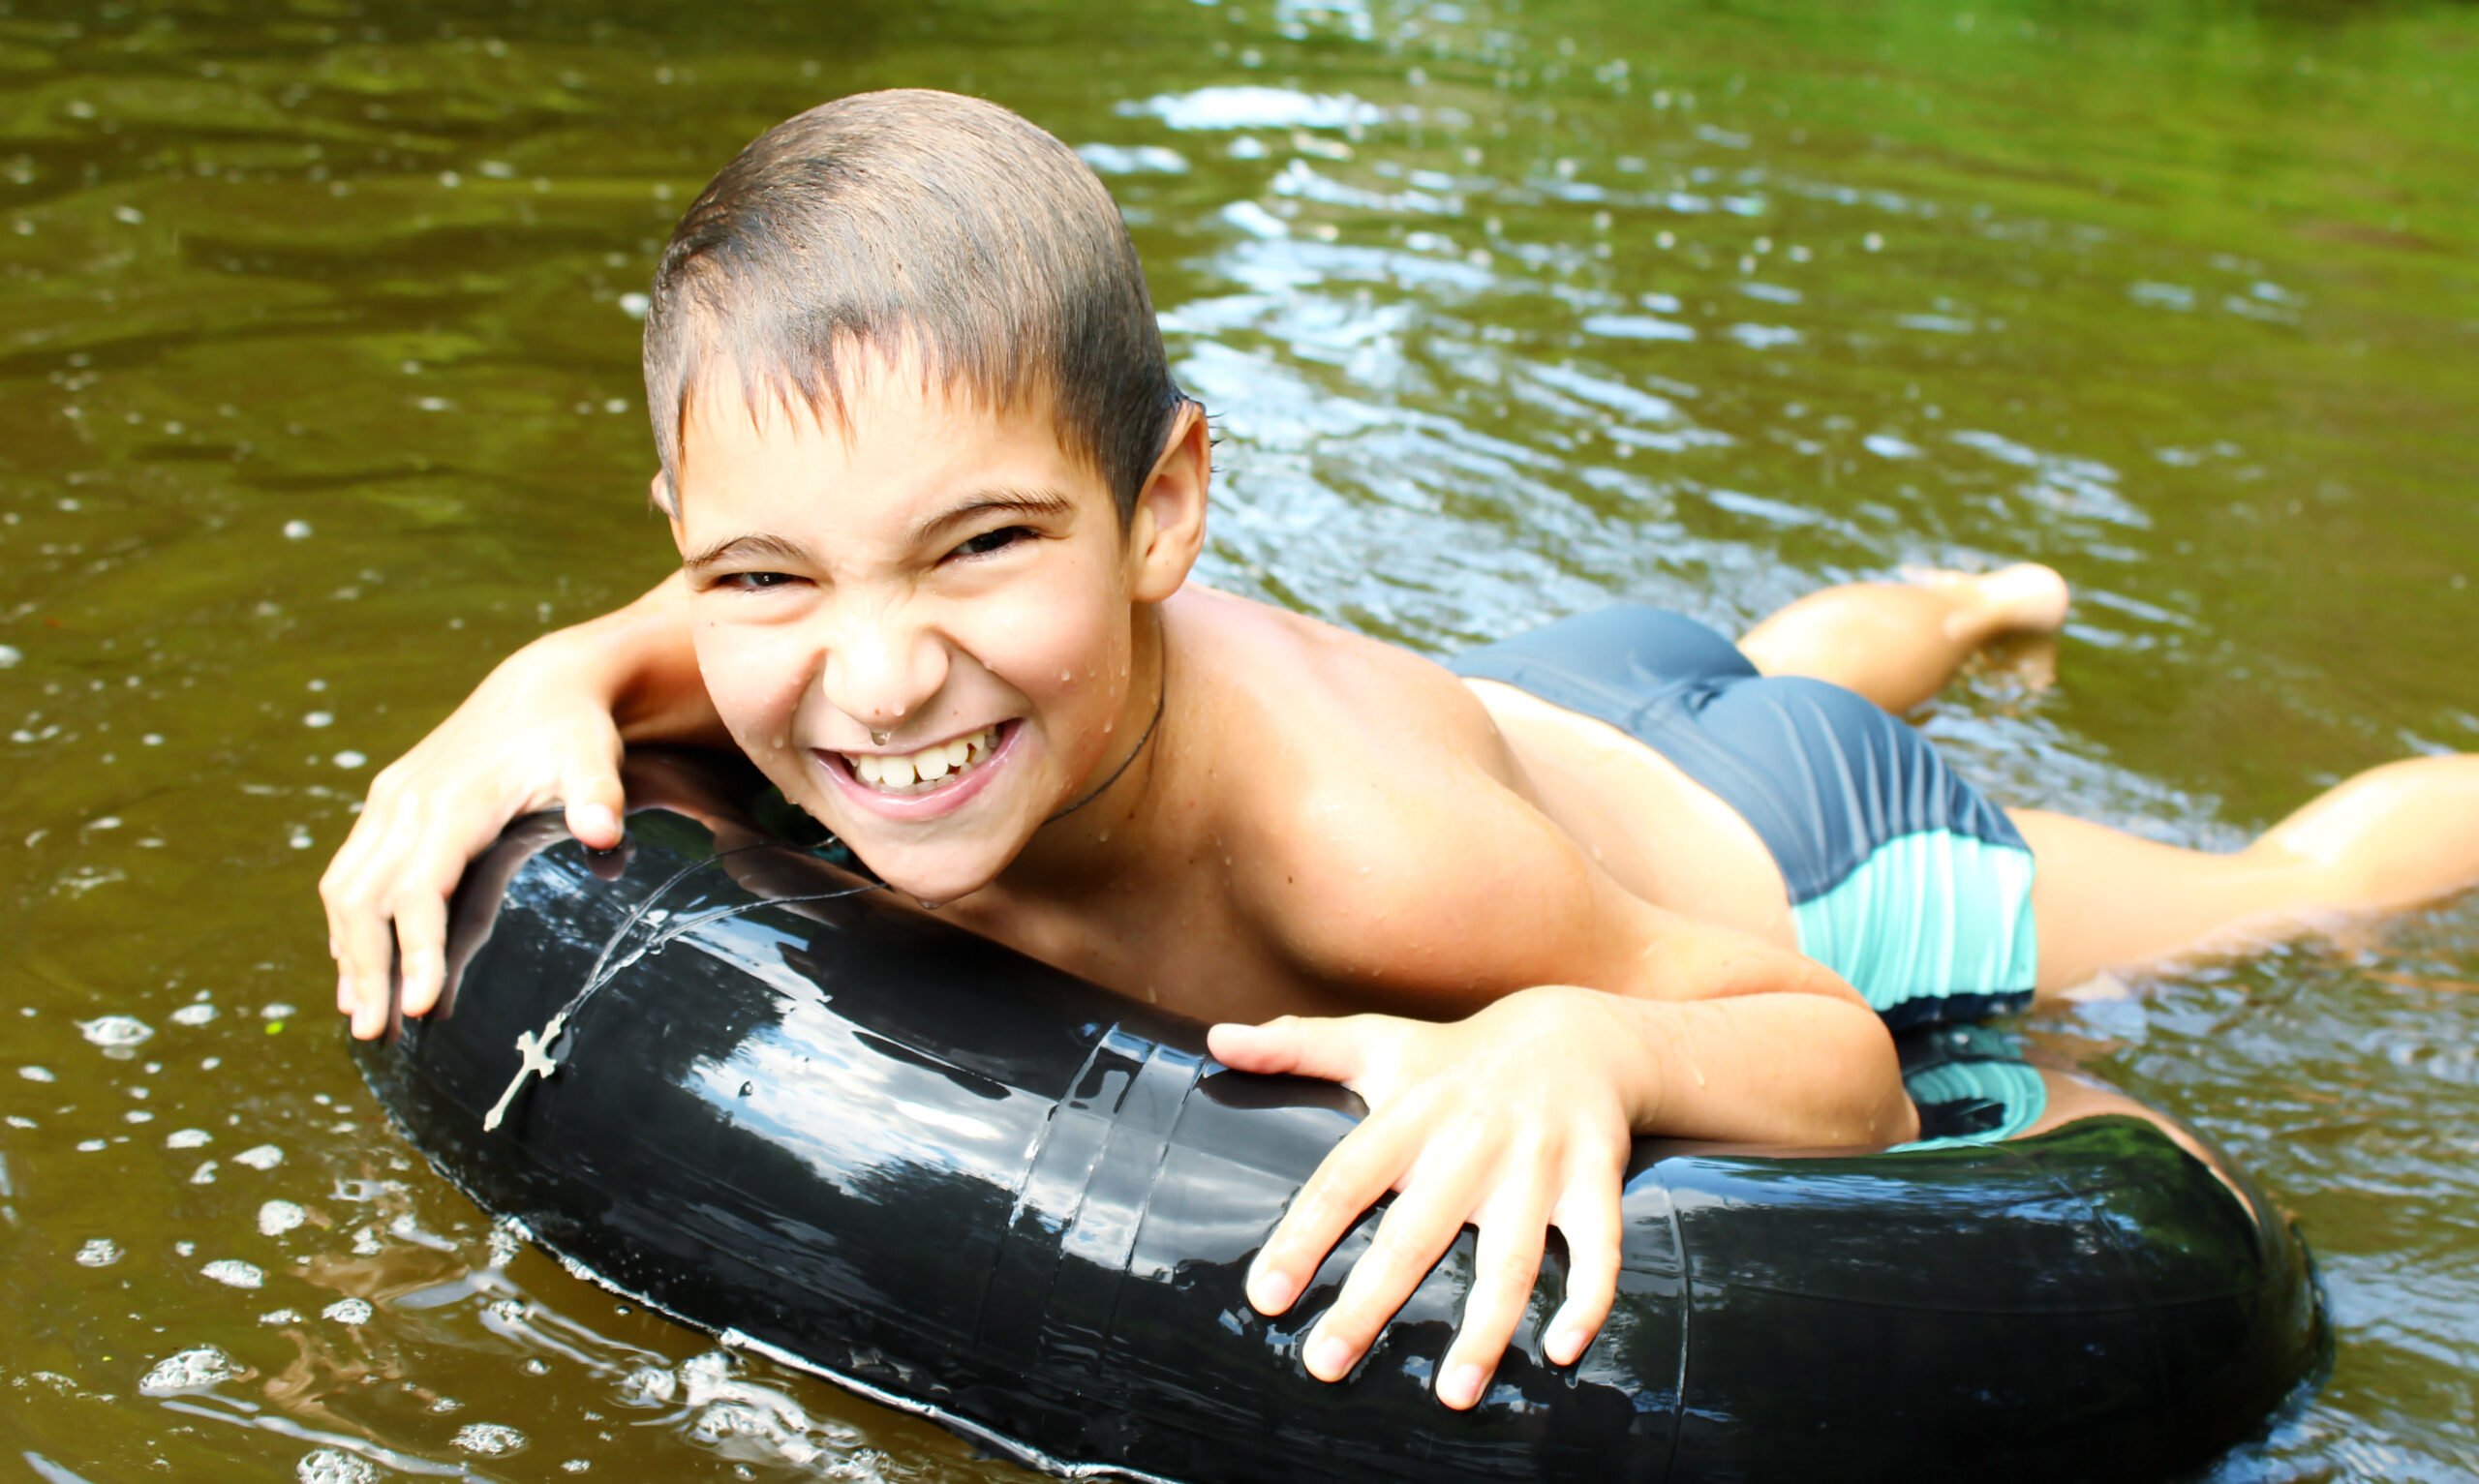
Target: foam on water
[
  {"x": 191, "y": 1370},
  {"x": 331, "y": 1465}
]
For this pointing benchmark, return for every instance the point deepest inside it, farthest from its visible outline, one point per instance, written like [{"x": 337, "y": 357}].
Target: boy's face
[{"x": 924, "y": 629}]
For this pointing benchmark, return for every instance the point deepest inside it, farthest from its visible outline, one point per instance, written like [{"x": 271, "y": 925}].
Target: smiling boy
[{"x": 937, "y": 498}]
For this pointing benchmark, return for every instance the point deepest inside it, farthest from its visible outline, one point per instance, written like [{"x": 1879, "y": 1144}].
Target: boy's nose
[{"x": 883, "y": 671}]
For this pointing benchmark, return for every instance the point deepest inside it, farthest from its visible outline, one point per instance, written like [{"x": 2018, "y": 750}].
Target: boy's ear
[
  {"x": 655, "y": 489},
  {"x": 1166, "y": 530}
]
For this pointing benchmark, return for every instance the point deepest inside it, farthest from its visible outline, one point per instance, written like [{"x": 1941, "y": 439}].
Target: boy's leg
[
  {"x": 2395, "y": 836},
  {"x": 1899, "y": 643}
]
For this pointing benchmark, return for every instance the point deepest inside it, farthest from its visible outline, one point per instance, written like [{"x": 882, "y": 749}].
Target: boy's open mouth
[{"x": 941, "y": 765}]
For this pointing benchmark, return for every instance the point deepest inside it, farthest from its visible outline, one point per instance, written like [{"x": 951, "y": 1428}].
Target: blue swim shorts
[{"x": 1902, "y": 879}]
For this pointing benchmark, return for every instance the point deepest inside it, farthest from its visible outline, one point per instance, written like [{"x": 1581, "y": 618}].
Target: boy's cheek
[{"x": 755, "y": 693}]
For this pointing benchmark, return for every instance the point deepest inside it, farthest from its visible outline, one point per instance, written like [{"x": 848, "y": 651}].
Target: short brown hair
[{"x": 918, "y": 220}]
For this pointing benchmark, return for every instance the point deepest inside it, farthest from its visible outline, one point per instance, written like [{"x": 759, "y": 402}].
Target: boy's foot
[{"x": 2025, "y": 599}]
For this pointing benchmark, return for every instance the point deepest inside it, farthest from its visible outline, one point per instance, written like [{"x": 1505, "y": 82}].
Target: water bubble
[
  {"x": 115, "y": 1032},
  {"x": 187, "y": 1139},
  {"x": 235, "y": 1273},
  {"x": 489, "y": 1438},
  {"x": 320, "y": 720},
  {"x": 37, "y": 1073},
  {"x": 347, "y": 1311},
  {"x": 205, "y": 1174},
  {"x": 576, "y": 1466},
  {"x": 101, "y": 1252},
  {"x": 278, "y": 1217},
  {"x": 263, "y": 1157},
  {"x": 350, "y": 759},
  {"x": 296, "y": 531},
  {"x": 331, "y": 1465},
  {"x": 280, "y": 1317},
  {"x": 634, "y": 305},
  {"x": 89, "y": 1146},
  {"x": 9, "y": 657},
  {"x": 193, "y": 1015},
  {"x": 191, "y": 1370},
  {"x": 278, "y": 1011}
]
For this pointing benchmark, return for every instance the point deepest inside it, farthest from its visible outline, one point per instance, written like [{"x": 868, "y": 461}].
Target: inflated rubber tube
[{"x": 787, "y": 1109}]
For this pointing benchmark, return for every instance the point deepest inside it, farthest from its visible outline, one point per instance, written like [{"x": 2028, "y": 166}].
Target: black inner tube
[{"x": 786, "y": 1107}]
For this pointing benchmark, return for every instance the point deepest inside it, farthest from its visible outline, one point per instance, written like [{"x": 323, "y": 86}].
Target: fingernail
[
  {"x": 1270, "y": 1291},
  {"x": 1329, "y": 1358},
  {"x": 597, "y": 818},
  {"x": 1566, "y": 1346},
  {"x": 1461, "y": 1384}
]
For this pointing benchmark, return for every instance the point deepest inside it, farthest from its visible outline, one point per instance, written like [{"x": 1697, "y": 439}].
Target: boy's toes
[{"x": 2032, "y": 597}]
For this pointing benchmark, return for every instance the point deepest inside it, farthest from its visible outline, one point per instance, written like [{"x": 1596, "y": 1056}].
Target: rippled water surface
[{"x": 319, "y": 356}]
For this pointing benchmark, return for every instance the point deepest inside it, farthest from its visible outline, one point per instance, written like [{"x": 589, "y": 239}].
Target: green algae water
[{"x": 318, "y": 338}]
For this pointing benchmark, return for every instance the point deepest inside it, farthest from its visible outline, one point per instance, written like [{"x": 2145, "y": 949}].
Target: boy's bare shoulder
[{"x": 1384, "y": 836}]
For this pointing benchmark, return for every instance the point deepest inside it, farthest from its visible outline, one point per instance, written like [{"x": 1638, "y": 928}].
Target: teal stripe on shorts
[
  {"x": 2014, "y": 1087},
  {"x": 1930, "y": 916}
]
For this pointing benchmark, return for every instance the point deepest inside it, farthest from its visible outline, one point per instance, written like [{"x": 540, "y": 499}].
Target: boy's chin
[{"x": 931, "y": 882}]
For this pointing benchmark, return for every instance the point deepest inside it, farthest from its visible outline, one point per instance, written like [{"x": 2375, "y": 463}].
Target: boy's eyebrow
[
  {"x": 754, "y": 545},
  {"x": 1049, "y": 503}
]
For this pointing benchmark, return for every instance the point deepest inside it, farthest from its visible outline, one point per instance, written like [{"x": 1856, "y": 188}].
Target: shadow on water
[{"x": 317, "y": 324}]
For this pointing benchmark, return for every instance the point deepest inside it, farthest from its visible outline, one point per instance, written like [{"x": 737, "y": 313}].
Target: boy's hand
[
  {"x": 1515, "y": 1120},
  {"x": 534, "y": 734}
]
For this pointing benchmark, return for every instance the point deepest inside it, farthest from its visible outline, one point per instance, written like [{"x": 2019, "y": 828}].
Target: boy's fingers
[
  {"x": 1353, "y": 1174},
  {"x": 1588, "y": 1217},
  {"x": 595, "y": 801},
  {"x": 421, "y": 939},
  {"x": 1505, "y": 1264},
  {"x": 359, "y": 937},
  {"x": 1333, "y": 1050},
  {"x": 1416, "y": 1232}
]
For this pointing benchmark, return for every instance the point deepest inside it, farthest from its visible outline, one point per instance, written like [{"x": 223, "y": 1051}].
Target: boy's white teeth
[{"x": 917, "y": 771}]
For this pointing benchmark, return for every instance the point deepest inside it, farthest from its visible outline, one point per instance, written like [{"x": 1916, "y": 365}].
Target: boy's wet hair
[{"x": 922, "y": 221}]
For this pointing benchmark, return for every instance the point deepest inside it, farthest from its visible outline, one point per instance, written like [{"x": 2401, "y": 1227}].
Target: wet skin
[{"x": 1317, "y": 825}]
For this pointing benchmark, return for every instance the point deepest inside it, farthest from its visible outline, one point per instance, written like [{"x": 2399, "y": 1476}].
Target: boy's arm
[
  {"x": 545, "y": 727},
  {"x": 1603, "y": 1017}
]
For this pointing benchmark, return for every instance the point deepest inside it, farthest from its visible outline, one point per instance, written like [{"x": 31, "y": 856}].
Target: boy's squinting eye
[
  {"x": 754, "y": 582},
  {"x": 989, "y": 541}
]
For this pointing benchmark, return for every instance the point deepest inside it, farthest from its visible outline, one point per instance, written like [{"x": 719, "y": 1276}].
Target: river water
[{"x": 317, "y": 340}]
